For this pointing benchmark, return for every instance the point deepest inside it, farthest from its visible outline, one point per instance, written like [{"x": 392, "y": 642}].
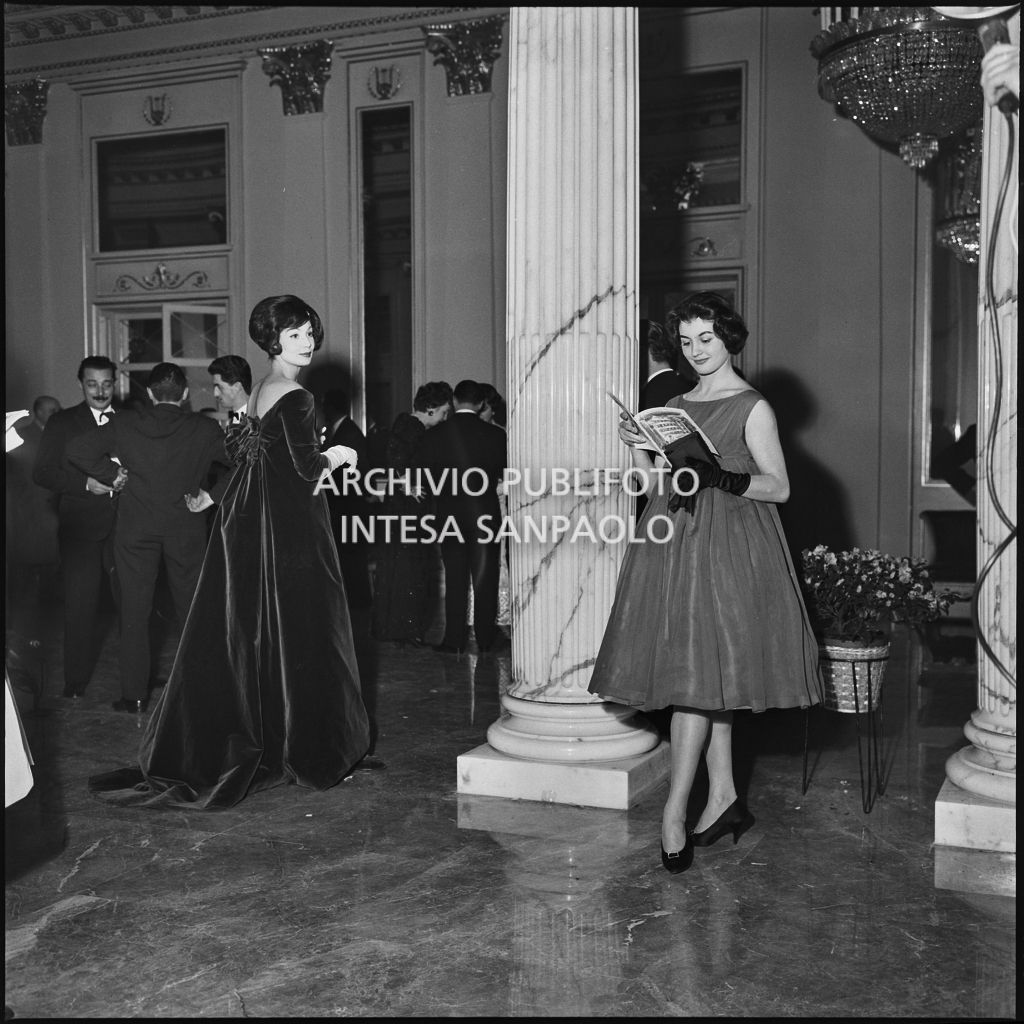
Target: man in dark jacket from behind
[{"x": 164, "y": 452}]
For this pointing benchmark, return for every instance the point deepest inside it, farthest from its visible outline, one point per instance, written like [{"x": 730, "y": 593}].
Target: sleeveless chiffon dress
[{"x": 714, "y": 619}]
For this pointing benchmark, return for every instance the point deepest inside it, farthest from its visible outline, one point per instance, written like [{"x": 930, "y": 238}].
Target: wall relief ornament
[
  {"x": 157, "y": 110},
  {"x": 24, "y": 110},
  {"x": 384, "y": 83},
  {"x": 302, "y": 72},
  {"x": 161, "y": 279},
  {"x": 467, "y": 51}
]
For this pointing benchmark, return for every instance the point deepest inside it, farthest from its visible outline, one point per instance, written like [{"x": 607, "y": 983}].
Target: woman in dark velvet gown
[
  {"x": 264, "y": 689},
  {"x": 403, "y": 601}
]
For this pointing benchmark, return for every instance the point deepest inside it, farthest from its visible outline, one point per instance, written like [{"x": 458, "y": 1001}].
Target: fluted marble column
[
  {"x": 571, "y": 325},
  {"x": 975, "y": 814}
]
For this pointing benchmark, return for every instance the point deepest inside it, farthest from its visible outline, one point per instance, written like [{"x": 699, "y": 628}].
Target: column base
[
  {"x": 985, "y": 872},
  {"x": 975, "y": 843},
  {"x": 485, "y": 771},
  {"x": 974, "y": 822}
]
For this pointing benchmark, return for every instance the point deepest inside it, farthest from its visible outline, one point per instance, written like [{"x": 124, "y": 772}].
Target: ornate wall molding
[
  {"x": 25, "y": 24},
  {"x": 302, "y": 72},
  {"x": 24, "y": 110},
  {"x": 231, "y": 45},
  {"x": 467, "y": 51},
  {"x": 161, "y": 279}
]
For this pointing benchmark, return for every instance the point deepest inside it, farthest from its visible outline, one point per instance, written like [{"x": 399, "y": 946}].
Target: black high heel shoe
[
  {"x": 677, "y": 863},
  {"x": 735, "y": 819}
]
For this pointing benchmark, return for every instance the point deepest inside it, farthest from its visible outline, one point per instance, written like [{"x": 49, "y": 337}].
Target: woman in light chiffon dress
[{"x": 712, "y": 621}]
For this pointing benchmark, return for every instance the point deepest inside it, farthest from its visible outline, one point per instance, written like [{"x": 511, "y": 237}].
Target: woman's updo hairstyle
[
  {"x": 279, "y": 313},
  {"x": 711, "y": 306}
]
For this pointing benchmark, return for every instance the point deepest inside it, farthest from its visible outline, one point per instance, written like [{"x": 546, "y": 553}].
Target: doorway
[{"x": 386, "y": 146}]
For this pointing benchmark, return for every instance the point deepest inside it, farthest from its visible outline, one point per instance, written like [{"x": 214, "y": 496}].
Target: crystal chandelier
[
  {"x": 959, "y": 189},
  {"x": 907, "y": 75}
]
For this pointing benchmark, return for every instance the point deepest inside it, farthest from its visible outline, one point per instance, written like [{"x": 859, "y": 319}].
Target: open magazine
[{"x": 670, "y": 431}]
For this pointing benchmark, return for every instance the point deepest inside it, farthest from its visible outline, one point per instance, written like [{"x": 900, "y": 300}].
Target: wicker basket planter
[{"x": 852, "y": 673}]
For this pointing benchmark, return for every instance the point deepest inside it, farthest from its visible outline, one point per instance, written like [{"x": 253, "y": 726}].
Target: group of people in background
[
  {"x": 449, "y": 432},
  {"x": 262, "y": 571}
]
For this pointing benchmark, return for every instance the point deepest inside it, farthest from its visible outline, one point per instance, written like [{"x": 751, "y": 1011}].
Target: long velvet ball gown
[
  {"x": 264, "y": 689},
  {"x": 713, "y": 619}
]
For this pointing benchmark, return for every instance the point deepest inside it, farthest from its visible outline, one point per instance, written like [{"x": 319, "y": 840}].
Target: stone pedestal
[
  {"x": 975, "y": 814},
  {"x": 571, "y": 328}
]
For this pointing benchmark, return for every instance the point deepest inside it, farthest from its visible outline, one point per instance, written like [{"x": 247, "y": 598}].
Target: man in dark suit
[
  {"x": 664, "y": 381},
  {"x": 475, "y": 453},
  {"x": 232, "y": 384},
  {"x": 164, "y": 453},
  {"x": 668, "y": 374},
  {"x": 348, "y": 504},
  {"x": 86, "y": 512}
]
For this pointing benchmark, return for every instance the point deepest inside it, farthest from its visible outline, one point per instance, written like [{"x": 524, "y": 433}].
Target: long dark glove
[
  {"x": 681, "y": 481},
  {"x": 710, "y": 475}
]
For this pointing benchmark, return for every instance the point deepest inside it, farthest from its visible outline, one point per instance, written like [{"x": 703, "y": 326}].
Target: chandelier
[
  {"x": 959, "y": 189},
  {"x": 907, "y": 75}
]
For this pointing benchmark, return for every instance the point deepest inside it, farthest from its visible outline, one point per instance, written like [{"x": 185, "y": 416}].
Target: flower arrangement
[{"x": 851, "y": 594}]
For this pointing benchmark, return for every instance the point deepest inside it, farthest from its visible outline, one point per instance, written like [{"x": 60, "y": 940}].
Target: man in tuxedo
[
  {"x": 232, "y": 384},
  {"x": 348, "y": 504},
  {"x": 86, "y": 513},
  {"x": 475, "y": 453},
  {"x": 164, "y": 454},
  {"x": 664, "y": 380}
]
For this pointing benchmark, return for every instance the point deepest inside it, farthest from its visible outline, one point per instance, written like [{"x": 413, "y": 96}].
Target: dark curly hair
[
  {"x": 661, "y": 345},
  {"x": 279, "y": 313},
  {"x": 710, "y": 306},
  {"x": 432, "y": 395}
]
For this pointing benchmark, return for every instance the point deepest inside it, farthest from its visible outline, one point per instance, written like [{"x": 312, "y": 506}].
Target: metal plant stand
[{"x": 870, "y": 733}]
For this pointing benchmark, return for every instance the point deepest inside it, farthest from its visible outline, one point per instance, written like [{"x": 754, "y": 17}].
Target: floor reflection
[
  {"x": 568, "y": 945},
  {"x": 392, "y": 895}
]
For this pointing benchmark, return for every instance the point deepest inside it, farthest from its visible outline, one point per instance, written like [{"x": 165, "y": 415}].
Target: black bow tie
[{"x": 105, "y": 415}]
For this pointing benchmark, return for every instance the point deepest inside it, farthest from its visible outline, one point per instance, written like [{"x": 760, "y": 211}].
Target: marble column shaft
[
  {"x": 571, "y": 328},
  {"x": 977, "y": 806},
  {"x": 989, "y": 766},
  {"x": 571, "y": 324}
]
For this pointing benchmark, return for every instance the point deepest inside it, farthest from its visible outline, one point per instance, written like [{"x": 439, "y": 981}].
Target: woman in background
[{"x": 264, "y": 689}]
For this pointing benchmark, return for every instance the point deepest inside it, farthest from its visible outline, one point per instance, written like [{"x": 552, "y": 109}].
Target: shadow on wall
[
  {"x": 816, "y": 512},
  {"x": 332, "y": 375}
]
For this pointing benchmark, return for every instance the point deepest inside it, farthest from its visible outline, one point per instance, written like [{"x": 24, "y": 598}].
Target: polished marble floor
[{"x": 392, "y": 896}]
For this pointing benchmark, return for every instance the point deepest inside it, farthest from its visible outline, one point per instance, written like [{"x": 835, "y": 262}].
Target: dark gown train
[
  {"x": 403, "y": 592},
  {"x": 264, "y": 689},
  {"x": 714, "y": 619}
]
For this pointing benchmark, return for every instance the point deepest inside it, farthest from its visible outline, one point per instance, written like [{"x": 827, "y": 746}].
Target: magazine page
[
  {"x": 663, "y": 425},
  {"x": 668, "y": 425}
]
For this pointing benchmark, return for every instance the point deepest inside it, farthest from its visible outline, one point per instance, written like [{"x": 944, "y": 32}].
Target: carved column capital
[
  {"x": 302, "y": 72},
  {"x": 467, "y": 50},
  {"x": 24, "y": 110}
]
